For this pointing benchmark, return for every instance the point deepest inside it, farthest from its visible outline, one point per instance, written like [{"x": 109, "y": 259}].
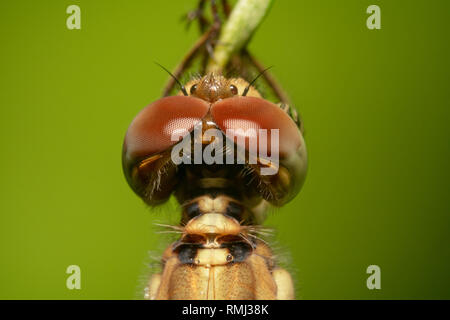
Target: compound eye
[
  {"x": 153, "y": 132},
  {"x": 277, "y": 139},
  {"x": 162, "y": 124},
  {"x": 249, "y": 116},
  {"x": 233, "y": 89},
  {"x": 193, "y": 89}
]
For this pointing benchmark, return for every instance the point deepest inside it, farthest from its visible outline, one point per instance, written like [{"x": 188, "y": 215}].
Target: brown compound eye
[
  {"x": 243, "y": 119},
  {"x": 152, "y": 129},
  {"x": 248, "y": 115},
  {"x": 156, "y": 129}
]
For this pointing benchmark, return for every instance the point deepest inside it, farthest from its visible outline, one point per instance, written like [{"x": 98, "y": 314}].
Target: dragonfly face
[
  {"x": 212, "y": 88},
  {"x": 225, "y": 157}
]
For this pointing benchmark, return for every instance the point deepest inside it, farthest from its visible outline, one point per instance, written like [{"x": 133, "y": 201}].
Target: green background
[{"x": 375, "y": 104}]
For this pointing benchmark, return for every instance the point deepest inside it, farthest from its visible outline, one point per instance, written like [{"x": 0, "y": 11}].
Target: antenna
[
  {"x": 250, "y": 84},
  {"x": 183, "y": 89}
]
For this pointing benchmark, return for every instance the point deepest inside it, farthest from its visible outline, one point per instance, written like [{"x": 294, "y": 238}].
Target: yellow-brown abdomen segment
[
  {"x": 218, "y": 258},
  {"x": 247, "y": 280},
  {"x": 216, "y": 278}
]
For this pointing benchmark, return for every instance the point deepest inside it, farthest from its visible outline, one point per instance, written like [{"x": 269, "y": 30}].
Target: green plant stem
[{"x": 245, "y": 18}]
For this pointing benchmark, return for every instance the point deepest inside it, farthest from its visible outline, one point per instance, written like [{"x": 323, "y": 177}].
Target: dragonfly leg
[
  {"x": 204, "y": 46},
  {"x": 197, "y": 14}
]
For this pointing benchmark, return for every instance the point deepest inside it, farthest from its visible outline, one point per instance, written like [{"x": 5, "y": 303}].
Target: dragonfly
[{"x": 227, "y": 154}]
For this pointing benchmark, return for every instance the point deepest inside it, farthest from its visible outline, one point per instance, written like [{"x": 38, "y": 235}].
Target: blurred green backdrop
[{"x": 375, "y": 105}]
